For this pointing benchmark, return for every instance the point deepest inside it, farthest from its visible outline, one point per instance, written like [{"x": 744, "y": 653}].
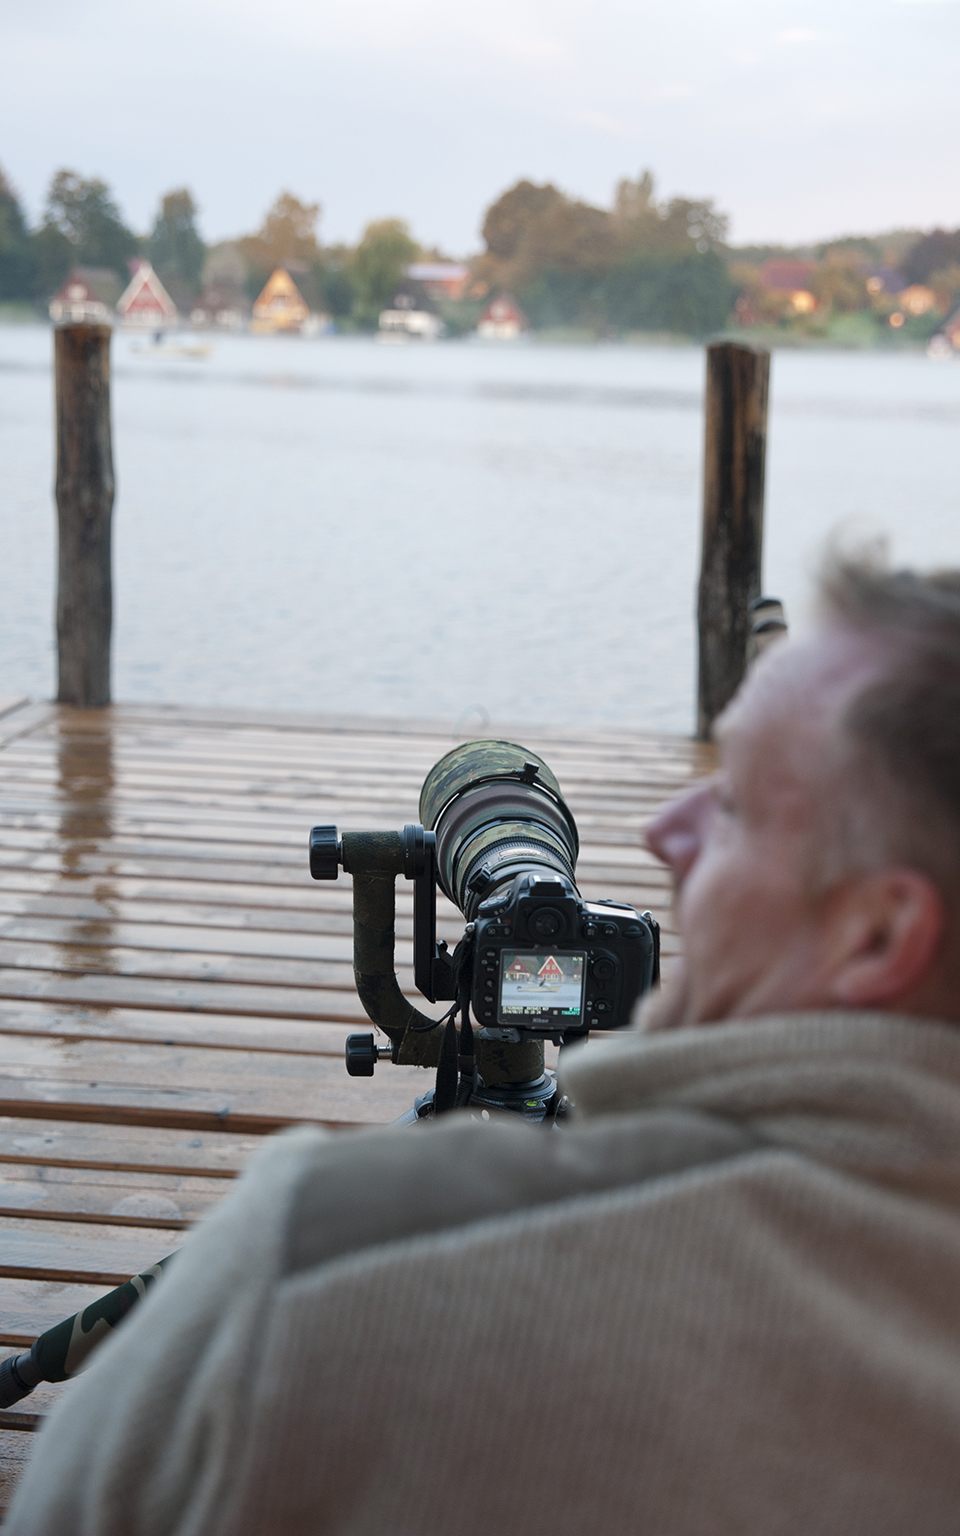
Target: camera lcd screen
[{"x": 539, "y": 990}]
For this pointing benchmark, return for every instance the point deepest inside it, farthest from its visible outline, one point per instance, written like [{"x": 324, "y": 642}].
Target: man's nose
[{"x": 674, "y": 834}]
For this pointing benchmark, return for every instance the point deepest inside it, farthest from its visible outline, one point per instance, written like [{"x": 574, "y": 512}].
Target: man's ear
[{"x": 886, "y": 936}]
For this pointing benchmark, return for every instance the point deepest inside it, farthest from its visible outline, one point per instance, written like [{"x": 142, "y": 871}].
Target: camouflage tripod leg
[{"x": 59, "y": 1353}]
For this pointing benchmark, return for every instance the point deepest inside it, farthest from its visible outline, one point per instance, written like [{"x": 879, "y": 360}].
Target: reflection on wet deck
[{"x": 173, "y": 986}]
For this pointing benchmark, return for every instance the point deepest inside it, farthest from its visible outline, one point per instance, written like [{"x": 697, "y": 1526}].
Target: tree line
[
  {"x": 638, "y": 265},
  {"x": 643, "y": 264}
]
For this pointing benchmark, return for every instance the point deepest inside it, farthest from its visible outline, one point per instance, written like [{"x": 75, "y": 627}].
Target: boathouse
[
  {"x": 502, "y": 320},
  {"x": 88, "y": 297},
  {"x": 409, "y": 317},
  {"x": 145, "y": 303},
  {"x": 280, "y": 306}
]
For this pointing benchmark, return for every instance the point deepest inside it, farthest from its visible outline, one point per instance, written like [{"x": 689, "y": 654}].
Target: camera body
[{"x": 547, "y": 963}]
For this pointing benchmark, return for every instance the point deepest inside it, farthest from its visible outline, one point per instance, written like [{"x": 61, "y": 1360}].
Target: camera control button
[
  {"x": 489, "y": 954},
  {"x": 602, "y": 1006},
  {"x": 603, "y": 968},
  {"x": 609, "y": 930}
]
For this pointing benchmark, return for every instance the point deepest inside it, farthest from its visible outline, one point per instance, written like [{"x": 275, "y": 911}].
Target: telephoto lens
[{"x": 497, "y": 811}]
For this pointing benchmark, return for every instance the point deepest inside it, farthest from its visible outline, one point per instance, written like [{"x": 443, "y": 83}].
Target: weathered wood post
[
  {"x": 736, "y": 438},
  {"x": 84, "y": 513}
]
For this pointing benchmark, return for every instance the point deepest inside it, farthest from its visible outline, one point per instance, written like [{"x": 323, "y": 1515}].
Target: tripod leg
[{"x": 59, "y": 1353}]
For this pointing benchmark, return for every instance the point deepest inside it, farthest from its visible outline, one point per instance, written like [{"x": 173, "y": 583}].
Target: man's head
[{"x": 820, "y": 867}]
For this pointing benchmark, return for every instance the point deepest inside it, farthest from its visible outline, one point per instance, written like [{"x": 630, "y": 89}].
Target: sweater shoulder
[{"x": 360, "y": 1190}]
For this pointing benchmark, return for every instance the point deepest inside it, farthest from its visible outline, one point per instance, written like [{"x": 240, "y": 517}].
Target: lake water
[{"x": 452, "y": 530}]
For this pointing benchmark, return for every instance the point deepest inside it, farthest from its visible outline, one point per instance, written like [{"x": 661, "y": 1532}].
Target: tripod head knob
[
  {"x": 362, "y": 1054},
  {"x": 324, "y": 853}
]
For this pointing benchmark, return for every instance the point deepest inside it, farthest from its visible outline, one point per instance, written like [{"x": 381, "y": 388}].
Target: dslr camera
[{"x": 536, "y": 960}]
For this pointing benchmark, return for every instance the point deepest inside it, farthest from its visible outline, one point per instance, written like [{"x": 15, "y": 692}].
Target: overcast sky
[{"x": 801, "y": 118}]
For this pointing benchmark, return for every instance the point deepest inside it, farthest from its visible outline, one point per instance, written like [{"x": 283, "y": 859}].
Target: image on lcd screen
[{"x": 541, "y": 989}]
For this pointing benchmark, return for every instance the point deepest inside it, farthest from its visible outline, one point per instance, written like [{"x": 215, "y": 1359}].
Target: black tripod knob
[
  {"x": 324, "y": 853},
  {"x": 361, "y": 1055}
]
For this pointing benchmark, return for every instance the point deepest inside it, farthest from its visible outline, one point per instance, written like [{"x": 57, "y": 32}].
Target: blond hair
[{"x": 900, "y": 733}]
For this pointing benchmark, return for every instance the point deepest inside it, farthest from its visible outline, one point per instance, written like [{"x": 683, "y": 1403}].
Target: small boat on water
[{"x": 196, "y": 350}]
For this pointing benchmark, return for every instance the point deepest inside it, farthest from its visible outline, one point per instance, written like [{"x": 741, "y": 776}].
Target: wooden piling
[
  {"x": 84, "y": 493},
  {"x": 735, "y": 451}
]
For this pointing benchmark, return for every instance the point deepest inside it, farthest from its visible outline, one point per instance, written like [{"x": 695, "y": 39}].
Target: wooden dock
[{"x": 174, "y": 986}]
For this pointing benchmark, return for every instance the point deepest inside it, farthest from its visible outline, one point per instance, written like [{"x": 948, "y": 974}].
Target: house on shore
[
  {"x": 88, "y": 297},
  {"x": 145, "y": 304},
  {"x": 220, "y": 307},
  {"x": 917, "y": 300},
  {"x": 502, "y": 320},
  {"x": 280, "y": 308},
  {"x": 440, "y": 279},
  {"x": 791, "y": 278},
  {"x": 409, "y": 317},
  {"x": 946, "y": 341}
]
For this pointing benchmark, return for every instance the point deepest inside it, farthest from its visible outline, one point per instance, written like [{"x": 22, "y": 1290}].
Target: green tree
[
  {"x": 82, "y": 226},
  {"x": 53, "y": 256},
  {"x": 839, "y": 288},
  {"x": 338, "y": 292},
  {"x": 532, "y": 230},
  {"x": 287, "y": 237},
  {"x": 946, "y": 286},
  {"x": 939, "y": 249},
  {"x": 690, "y": 294},
  {"x": 378, "y": 265},
  {"x": 175, "y": 247},
  {"x": 679, "y": 227},
  {"x": 17, "y": 266},
  {"x": 642, "y": 265}
]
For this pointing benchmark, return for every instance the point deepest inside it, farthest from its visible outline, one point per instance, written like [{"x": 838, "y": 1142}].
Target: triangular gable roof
[
  {"x": 550, "y": 968},
  {"x": 279, "y": 285},
  {"x": 145, "y": 294}
]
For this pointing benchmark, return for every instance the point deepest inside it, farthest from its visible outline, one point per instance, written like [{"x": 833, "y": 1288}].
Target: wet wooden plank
[
  {"x": 193, "y": 1087},
  {"x": 121, "y": 1197},
  {"x": 20, "y": 722},
  {"x": 107, "y": 1149},
  {"x": 80, "y": 1254},
  {"x": 133, "y": 991},
  {"x": 15, "y": 1451},
  {"x": 29, "y": 1307},
  {"x": 222, "y": 1031}
]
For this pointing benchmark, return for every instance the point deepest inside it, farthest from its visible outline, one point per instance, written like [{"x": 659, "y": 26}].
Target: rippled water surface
[{"x": 431, "y": 531}]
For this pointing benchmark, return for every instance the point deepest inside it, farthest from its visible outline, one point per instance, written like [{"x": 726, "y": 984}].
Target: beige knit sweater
[{"x": 726, "y": 1301}]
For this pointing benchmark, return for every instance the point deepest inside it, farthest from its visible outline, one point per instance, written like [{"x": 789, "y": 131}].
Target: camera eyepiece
[{"x": 497, "y": 811}]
